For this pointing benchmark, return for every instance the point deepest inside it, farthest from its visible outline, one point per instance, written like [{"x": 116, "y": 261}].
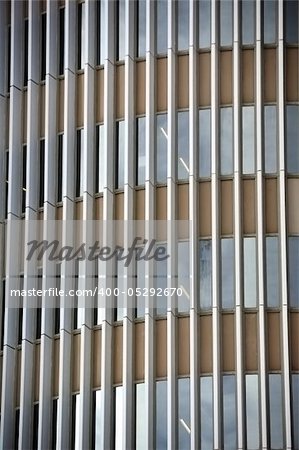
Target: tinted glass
[
  {"x": 119, "y": 299},
  {"x": 205, "y": 274},
  {"x": 270, "y": 18},
  {"x": 97, "y": 420},
  {"x": 120, "y": 153},
  {"x": 59, "y": 167},
  {"x": 252, "y": 412},
  {"x": 248, "y": 22},
  {"x": 227, "y": 273},
  {"x": 79, "y": 163},
  {"x": 293, "y": 264},
  {"x": 204, "y": 142},
  {"x": 100, "y": 158},
  {"x": 291, "y": 21},
  {"x": 121, "y": 29},
  {"x": 42, "y": 173},
  {"x": 248, "y": 139},
  {"x": 161, "y": 11},
  {"x": 140, "y": 132},
  {"x": 226, "y": 22},
  {"x": 275, "y": 409},
  {"x": 61, "y": 42},
  {"x": 183, "y": 25},
  {"x": 184, "y": 413},
  {"x": 206, "y": 413},
  {"x": 183, "y": 276},
  {"x": 229, "y": 412},
  {"x": 161, "y": 283},
  {"x": 161, "y": 415},
  {"x": 141, "y": 40},
  {"x": 272, "y": 271},
  {"x": 250, "y": 287},
  {"x": 295, "y": 409},
  {"x": 101, "y": 37},
  {"x": 226, "y": 141},
  {"x": 183, "y": 145},
  {"x": 25, "y": 52},
  {"x": 140, "y": 284},
  {"x": 118, "y": 417},
  {"x": 43, "y": 46},
  {"x": 140, "y": 417},
  {"x": 270, "y": 136},
  {"x": 292, "y": 138},
  {"x": 76, "y": 422},
  {"x": 161, "y": 148},
  {"x": 81, "y": 36},
  {"x": 204, "y": 34}
]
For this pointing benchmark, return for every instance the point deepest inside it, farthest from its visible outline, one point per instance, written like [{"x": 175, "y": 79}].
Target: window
[
  {"x": 291, "y": 21},
  {"x": 81, "y": 37},
  {"x": 119, "y": 284},
  {"x": 183, "y": 24},
  {"x": 204, "y": 24},
  {"x": 24, "y": 177},
  {"x": 140, "y": 284},
  {"x": 206, "y": 412},
  {"x": 75, "y": 421},
  {"x": 20, "y": 316},
  {"x": 96, "y": 425},
  {"x": 43, "y": 46},
  {"x": 270, "y": 19},
  {"x": 79, "y": 163},
  {"x": 57, "y": 308},
  {"x": 38, "y": 308},
  {"x": 295, "y": 409},
  {"x": 100, "y": 159},
  {"x": 17, "y": 428},
  {"x": 184, "y": 413},
  {"x": 227, "y": 273},
  {"x": 120, "y": 29},
  {"x": 248, "y": 22},
  {"x": 293, "y": 264},
  {"x": 59, "y": 167},
  {"x": 160, "y": 268},
  {"x": 205, "y": 274},
  {"x": 99, "y": 279},
  {"x": 140, "y": 423},
  {"x": 161, "y": 415},
  {"x": 248, "y": 139},
  {"x": 183, "y": 144},
  {"x": 2, "y": 314},
  {"x": 275, "y": 409},
  {"x": 161, "y": 27},
  {"x": 249, "y": 272},
  {"x": 140, "y": 145},
  {"x": 204, "y": 142},
  {"x": 118, "y": 417},
  {"x": 76, "y": 286},
  {"x": 7, "y": 181},
  {"x": 252, "y": 412},
  {"x": 292, "y": 138},
  {"x": 25, "y": 52},
  {"x": 272, "y": 272},
  {"x": 161, "y": 148},
  {"x": 35, "y": 427},
  {"x": 8, "y": 56},
  {"x": 100, "y": 34},
  {"x": 226, "y": 139},
  {"x": 183, "y": 276},
  {"x": 229, "y": 412},
  {"x": 54, "y": 422},
  {"x": 270, "y": 136},
  {"x": 41, "y": 173},
  {"x": 226, "y": 23},
  {"x": 141, "y": 27},
  {"x": 120, "y": 155},
  {"x": 61, "y": 42}
]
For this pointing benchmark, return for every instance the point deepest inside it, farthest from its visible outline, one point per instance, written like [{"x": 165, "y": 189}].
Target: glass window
[
  {"x": 61, "y": 42},
  {"x": 229, "y": 412},
  {"x": 7, "y": 181},
  {"x": 161, "y": 415},
  {"x": 140, "y": 284},
  {"x": 183, "y": 143},
  {"x": 75, "y": 421},
  {"x": 226, "y": 22},
  {"x": 272, "y": 271},
  {"x": 275, "y": 409},
  {"x": 248, "y": 22},
  {"x": 119, "y": 284},
  {"x": 43, "y": 46},
  {"x": 96, "y": 426},
  {"x": 140, "y": 135},
  {"x": 270, "y": 136},
  {"x": 204, "y": 142},
  {"x": 26, "y": 52},
  {"x": 2, "y": 315},
  {"x": 206, "y": 413},
  {"x": 141, "y": 28},
  {"x": 76, "y": 285},
  {"x": 118, "y": 417},
  {"x": 79, "y": 163},
  {"x": 35, "y": 427},
  {"x": 140, "y": 423},
  {"x": 8, "y": 56},
  {"x": 249, "y": 274},
  {"x": 252, "y": 412},
  {"x": 183, "y": 276},
  {"x": 41, "y": 173},
  {"x": 39, "y": 309},
  {"x": 20, "y": 315},
  {"x": 184, "y": 413},
  {"x": 54, "y": 422},
  {"x": 99, "y": 280},
  {"x": 270, "y": 18},
  {"x": 161, "y": 11},
  {"x": 291, "y": 21},
  {"x": 59, "y": 167},
  {"x": 205, "y": 274},
  {"x": 226, "y": 140},
  {"x": 292, "y": 138},
  {"x": 204, "y": 24},
  {"x": 100, "y": 159},
  {"x": 293, "y": 264},
  {"x": 121, "y": 29},
  {"x": 248, "y": 139},
  {"x": 100, "y": 34},
  {"x": 120, "y": 154},
  {"x": 81, "y": 36},
  {"x": 161, "y": 147},
  {"x": 24, "y": 177},
  {"x": 57, "y": 308},
  {"x": 183, "y": 25},
  {"x": 17, "y": 428},
  {"x": 161, "y": 283},
  {"x": 227, "y": 273},
  {"x": 295, "y": 409}
]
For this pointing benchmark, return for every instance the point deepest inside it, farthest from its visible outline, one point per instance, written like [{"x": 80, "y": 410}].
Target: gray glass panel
[
  {"x": 140, "y": 151},
  {"x": 161, "y": 8},
  {"x": 206, "y": 413},
  {"x": 161, "y": 283},
  {"x": 295, "y": 409},
  {"x": 161, "y": 148},
  {"x": 97, "y": 420},
  {"x": 140, "y": 284},
  {"x": 101, "y": 32},
  {"x": 227, "y": 273},
  {"x": 204, "y": 24},
  {"x": 275, "y": 409},
  {"x": 184, "y": 413},
  {"x": 118, "y": 417},
  {"x": 76, "y": 431},
  {"x": 293, "y": 264},
  {"x": 140, "y": 417},
  {"x": 226, "y": 22},
  {"x": 161, "y": 415},
  {"x": 141, "y": 28},
  {"x": 101, "y": 155},
  {"x": 226, "y": 141},
  {"x": 252, "y": 412},
  {"x": 250, "y": 288},
  {"x": 119, "y": 299},
  {"x": 248, "y": 22},
  {"x": 120, "y": 127},
  {"x": 205, "y": 274},
  {"x": 270, "y": 19},
  {"x": 183, "y": 276},
  {"x": 183, "y": 24},
  {"x": 270, "y": 136},
  {"x": 204, "y": 143},
  {"x": 229, "y": 413},
  {"x": 183, "y": 145},
  {"x": 291, "y": 21},
  {"x": 292, "y": 138},
  {"x": 121, "y": 29},
  {"x": 272, "y": 271},
  {"x": 248, "y": 139}
]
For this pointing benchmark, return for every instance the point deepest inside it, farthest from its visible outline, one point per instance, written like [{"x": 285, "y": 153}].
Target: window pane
[
  {"x": 43, "y": 47},
  {"x": 141, "y": 38},
  {"x": 61, "y": 42},
  {"x": 41, "y": 173},
  {"x": 270, "y": 17},
  {"x": 100, "y": 159},
  {"x": 59, "y": 167},
  {"x": 24, "y": 174},
  {"x": 205, "y": 274},
  {"x": 54, "y": 423},
  {"x": 184, "y": 413},
  {"x": 161, "y": 8},
  {"x": 121, "y": 29},
  {"x": 250, "y": 288},
  {"x": 227, "y": 273},
  {"x": 35, "y": 427},
  {"x": 119, "y": 300},
  {"x": 120, "y": 154},
  {"x": 226, "y": 141},
  {"x": 140, "y": 417},
  {"x": 293, "y": 264},
  {"x": 183, "y": 144},
  {"x": 275, "y": 409},
  {"x": 161, "y": 282},
  {"x": 248, "y": 21},
  {"x": 229, "y": 412},
  {"x": 81, "y": 36},
  {"x": 206, "y": 412},
  {"x": 295, "y": 409},
  {"x": 79, "y": 164},
  {"x": 161, "y": 146},
  {"x": 97, "y": 420},
  {"x": 291, "y": 21},
  {"x": 248, "y": 139},
  {"x": 183, "y": 276},
  {"x": 25, "y": 82},
  {"x": 101, "y": 37},
  {"x": 140, "y": 133},
  {"x": 204, "y": 142},
  {"x": 161, "y": 415},
  {"x": 76, "y": 422},
  {"x": 226, "y": 22},
  {"x": 272, "y": 271},
  {"x": 270, "y": 139},
  {"x": 252, "y": 412},
  {"x": 183, "y": 25},
  {"x": 292, "y": 138},
  {"x": 140, "y": 284},
  {"x": 118, "y": 417},
  {"x": 204, "y": 24}
]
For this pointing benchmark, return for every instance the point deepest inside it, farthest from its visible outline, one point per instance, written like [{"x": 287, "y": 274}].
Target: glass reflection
[
  {"x": 205, "y": 274},
  {"x": 204, "y": 34},
  {"x": 291, "y": 21},
  {"x": 141, "y": 5},
  {"x": 229, "y": 413},
  {"x": 226, "y": 22},
  {"x": 272, "y": 271},
  {"x": 293, "y": 264},
  {"x": 270, "y": 18},
  {"x": 292, "y": 138},
  {"x": 118, "y": 417},
  {"x": 248, "y": 140},
  {"x": 250, "y": 287},
  {"x": 120, "y": 154},
  {"x": 248, "y": 22},
  {"x": 275, "y": 408},
  {"x": 270, "y": 139},
  {"x": 227, "y": 273},
  {"x": 252, "y": 412},
  {"x": 161, "y": 283},
  {"x": 120, "y": 299},
  {"x": 140, "y": 418},
  {"x": 140, "y": 133},
  {"x": 101, "y": 32},
  {"x": 161, "y": 147},
  {"x": 100, "y": 158},
  {"x": 226, "y": 141},
  {"x": 161, "y": 415},
  {"x": 121, "y": 29},
  {"x": 204, "y": 142},
  {"x": 183, "y": 25},
  {"x": 76, "y": 422},
  {"x": 295, "y": 409},
  {"x": 140, "y": 284},
  {"x": 97, "y": 420},
  {"x": 183, "y": 143},
  {"x": 184, "y": 413},
  {"x": 206, "y": 413},
  {"x": 183, "y": 276},
  {"x": 161, "y": 10}
]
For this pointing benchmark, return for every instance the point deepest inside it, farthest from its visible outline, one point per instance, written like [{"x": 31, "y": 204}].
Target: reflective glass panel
[
  {"x": 100, "y": 159},
  {"x": 97, "y": 420},
  {"x": 270, "y": 18},
  {"x": 184, "y": 413},
  {"x": 140, "y": 133},
  {"x": 161, "y": 148},
  {"x": 252, "y": 412},
  {"x": 248, "y": 139},
  {"x": 275, "y": 409},
  {"x": 204, "y": 34},
  {"x": 161, "y": 283},
  {"x": 120, "y": 154},
  {"x": 226, "y": 22},
  {"x": 76, "y": 422},
  {"x": 248, "y": 22},
  {"x": 204, "y": 142},
  {"x": 291, "y": 21},
  {"x": 101, "y": 36},
  {"x": 295, "y": 409},
  {"x": 161, "y": 11},
  {"x": 292, "y": 138},
  {"x": 227, "y": 273},
  {"x": 293, "y": 264},
  {"x": 206, "y": 413},
  {"x": 141, "y": 37},
  {"x": 270, "y": 137},
  {"x": 183, "y": 143},
  {"x": 140, "y": 284},
  {"x": 81, "y": 36},
  {"x": 249, "y": 274},
  {"x": 120, "y": 299},
  {"x": 272, "y": 271},
  {"x": 229, "y": 412},
  {"x": 121, "y": 29},
  {"x": 205, "y": 274},
  {"x": 140, "y": 417},
  {"x": 183, "y": 276},
  {"x": 161, "y": 415},
  {"x": 183, "y": 24},
  {"x": 226, "y": 141},
  {"x": 118, "y": 417}
]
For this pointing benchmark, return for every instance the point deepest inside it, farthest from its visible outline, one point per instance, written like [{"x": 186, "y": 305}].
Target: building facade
[{"x": 179, "y": 112}]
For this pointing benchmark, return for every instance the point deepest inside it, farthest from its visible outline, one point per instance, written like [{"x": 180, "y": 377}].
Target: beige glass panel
[
  {"x": 204, "y": 209},
  {"x": 249, "y": 206},
  {"x": 120, "y": 91},
  {"x": 76, "y": 342},
  {"x": 247, "y": 73},
  {"x": 270, "y": 75},
  {"x": 227, "y": 201},
  {"x": 97, "y": 351},
  {"x": 161, "y": 348},
  {"x": 205, "y": 344},
  {"x": 139, "y": 351},
  {"x": 183, "y": 81},
  {"x": 226, "y": 77},
  {"x": 274, "y": 360},
  {"x": 161, "y": 86},
  {"x": 140, "y": 87},
  {"x": 271, "y": 206},
  {"x": 250, "y": 341},
  {"x": 183, "y": 346},
  {"x": 204, "y": 79},
  {"x": 228, "y": 342},
  {"x": 117, "y": 354}
]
